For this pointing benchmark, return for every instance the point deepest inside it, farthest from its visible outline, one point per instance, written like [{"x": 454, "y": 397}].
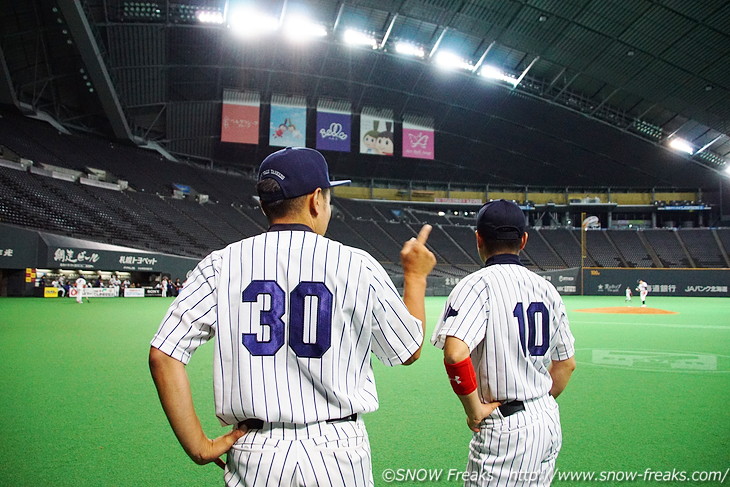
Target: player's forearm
[
  {"x": 473, "y": 406},
  {"x": 560, "y": 372},
  {"x": 173, "y": 388},
  {"x": 414, "y": 296}
]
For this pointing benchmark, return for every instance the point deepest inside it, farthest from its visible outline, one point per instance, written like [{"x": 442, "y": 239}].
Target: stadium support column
[
  {"x": 582, "y": 248},
  {"x": 7, "y": 93},
  {"x": 84, "y": 38}
]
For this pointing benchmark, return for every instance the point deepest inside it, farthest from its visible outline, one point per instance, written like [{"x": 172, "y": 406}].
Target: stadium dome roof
[{"x": 604, "y": 85}]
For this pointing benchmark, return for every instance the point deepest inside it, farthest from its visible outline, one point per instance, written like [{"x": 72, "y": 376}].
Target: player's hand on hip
[
  {"x": 218, "y": 446},
  {"x": 415, "y": 257},
  {"x": 484, "y": 411}
]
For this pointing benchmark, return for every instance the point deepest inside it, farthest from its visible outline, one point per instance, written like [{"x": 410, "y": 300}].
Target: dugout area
[{"x": 650, "y": 391}]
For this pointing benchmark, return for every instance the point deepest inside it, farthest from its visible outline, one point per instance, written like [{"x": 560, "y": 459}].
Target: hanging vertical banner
[
  {"x": 334, "y": 125},
  {"x": 376, "y": 131},
  {"x": 418, "y": 137},
  {"x": 240, "y": 119},
  {"x": 288, "y": 125}
]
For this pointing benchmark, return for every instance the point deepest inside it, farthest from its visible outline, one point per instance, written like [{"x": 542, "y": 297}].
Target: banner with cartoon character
[
  {"x": 288, "y": 125},
  {"x": 240, "y": 117},
  {"x": 418, "y": 137},
  {"x": 376, "y": 132},
  {"x": 334, "y": 125}
]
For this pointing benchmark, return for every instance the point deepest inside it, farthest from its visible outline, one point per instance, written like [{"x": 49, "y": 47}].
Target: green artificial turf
[{"x": 79, "y": 408}]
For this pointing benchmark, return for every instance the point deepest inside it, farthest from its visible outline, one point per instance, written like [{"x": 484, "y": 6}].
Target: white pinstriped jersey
[
  {"x": 514, "y": 323},
  {"x": 293, "y": 333}
]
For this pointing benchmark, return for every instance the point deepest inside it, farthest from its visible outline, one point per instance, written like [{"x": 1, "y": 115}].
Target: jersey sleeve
[
  {"x": 397, "y": 335},
  {"x": 465, "y": 314},
  {"x": 562, "y": 339},
  {"x": 190, "y": 319}
]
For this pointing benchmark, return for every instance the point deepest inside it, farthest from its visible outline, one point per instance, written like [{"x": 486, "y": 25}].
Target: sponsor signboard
[{"x": 662, "y": 282}]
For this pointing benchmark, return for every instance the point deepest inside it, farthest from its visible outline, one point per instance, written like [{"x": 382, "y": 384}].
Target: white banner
[
  {"x": 134, "y": 292},
  {"x": 99, "y": 292}
]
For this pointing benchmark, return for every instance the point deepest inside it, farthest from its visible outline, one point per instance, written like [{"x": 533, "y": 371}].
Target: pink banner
[
  {"x": 240, "y": 118},
  {"x": 417, "y": 142}
]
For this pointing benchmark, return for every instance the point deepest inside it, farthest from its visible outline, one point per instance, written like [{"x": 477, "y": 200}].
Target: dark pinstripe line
[
  {"x": 286, "y": 355},
  {"x": 332, "y": 312},
  {"x": 296, "y": 360},
  {"x": 250, "y": 327},
  {"x": 263, "y": 359},
  {"x": 314, "y": 470},
  {"x": 275, "y": 381},
  {"x": 337, "y": 464},
  {"x": 283, "y": 466}
]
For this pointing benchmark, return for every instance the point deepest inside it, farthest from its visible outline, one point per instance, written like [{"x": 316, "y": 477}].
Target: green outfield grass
[{"x": 79, "y": 408}]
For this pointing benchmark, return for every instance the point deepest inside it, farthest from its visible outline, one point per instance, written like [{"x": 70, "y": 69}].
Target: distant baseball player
[
  {"x": 508, "y": 352},
  {"x": 294, "y": 317},
  {"x": 628, "y": 294},
  {"x": 643, "y": 289},
  {"x": 80, "y": 285}
]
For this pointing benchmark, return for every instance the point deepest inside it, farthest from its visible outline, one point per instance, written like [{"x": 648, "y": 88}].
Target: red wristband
[{"x": 462, "y": 376}]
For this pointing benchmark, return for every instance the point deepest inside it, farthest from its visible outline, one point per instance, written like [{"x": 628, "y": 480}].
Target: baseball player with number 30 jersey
[
  {"x": 508, "y": 352},
  {"x": 294, "y": 317}
]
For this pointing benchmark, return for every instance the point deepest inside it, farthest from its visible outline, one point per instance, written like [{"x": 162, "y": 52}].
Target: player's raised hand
[{"x": 415, "y": 257}]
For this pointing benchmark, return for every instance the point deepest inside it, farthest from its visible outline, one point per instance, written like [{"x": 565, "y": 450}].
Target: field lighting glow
[
  {"x": 247, "y": 22},
  {"x": 492, "y": 72},
  {"x": 357, "y": 38},
  {"x": 449, "y": 60},
  {"x": 408, "y": 49},
  {"x": 208, "y": 17},
  {"x": 301, "y": 29},
  {"x": 681, "y": 145}
]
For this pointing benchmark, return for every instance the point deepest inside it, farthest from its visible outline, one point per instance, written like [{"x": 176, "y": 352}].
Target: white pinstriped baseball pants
[
  {"x": 316, "y": 454},
  {"x": 519, "y": 450}
]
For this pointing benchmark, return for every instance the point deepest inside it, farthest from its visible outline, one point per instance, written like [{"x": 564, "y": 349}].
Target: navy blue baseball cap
[
  {"x": 298, "y": 170},
  {"x": 501, "y": 220}
]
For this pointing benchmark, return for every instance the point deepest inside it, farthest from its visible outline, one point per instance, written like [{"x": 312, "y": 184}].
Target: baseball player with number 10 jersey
[
  {"x": 294, "y": 317},
  {"x": 508, "y": 352}
]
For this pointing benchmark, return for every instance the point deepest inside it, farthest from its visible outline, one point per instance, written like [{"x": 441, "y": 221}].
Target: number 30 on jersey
[{"x": 272, "y": 318}]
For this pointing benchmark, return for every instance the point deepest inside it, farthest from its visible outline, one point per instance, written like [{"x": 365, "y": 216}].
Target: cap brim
[{"x": 340, "y": 183}]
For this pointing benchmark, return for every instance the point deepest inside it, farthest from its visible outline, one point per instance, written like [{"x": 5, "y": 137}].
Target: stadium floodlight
[
  {"x": 681, "y": 145},
  {"x": 408, "y": 49},
  {"x": 357, "y": 38},
  {"x": 302, "y": 29},
  {"x": 492, "y": 72},
  {"x": 247, "y": 22},
  {"x": 449, "y": 60},
  {"x": 209, "y": 17}
]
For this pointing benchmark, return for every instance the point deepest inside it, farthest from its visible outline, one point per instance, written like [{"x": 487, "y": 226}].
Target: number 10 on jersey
[{"x": 528, "y": 325}]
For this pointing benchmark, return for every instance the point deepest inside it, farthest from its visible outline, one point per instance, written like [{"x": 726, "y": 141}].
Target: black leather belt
[
  {"x": 510, "y": 408},
  {"x": 257, "y": 424}
]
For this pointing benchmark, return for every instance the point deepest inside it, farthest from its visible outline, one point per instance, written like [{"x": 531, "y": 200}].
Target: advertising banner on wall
[
  {"x": 18, "y": 248},
  {"x": 566, "y": 281},
  {"x": 662, "y": 282},
  {"x": 377, "y": 132},
  {"x": 418, "y": 137},
  {"x": 334, "y": 125},
  {"x": 288, "y": 124},
  {"x": 240, "y": 117}
]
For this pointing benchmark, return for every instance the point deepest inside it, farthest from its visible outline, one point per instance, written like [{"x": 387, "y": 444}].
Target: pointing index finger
[{"x": 424, "y": 233}]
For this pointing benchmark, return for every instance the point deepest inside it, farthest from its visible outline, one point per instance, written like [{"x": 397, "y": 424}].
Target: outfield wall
[
  {"x": 662, "y": 282},
  {"x": 601, "y": 281}
]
